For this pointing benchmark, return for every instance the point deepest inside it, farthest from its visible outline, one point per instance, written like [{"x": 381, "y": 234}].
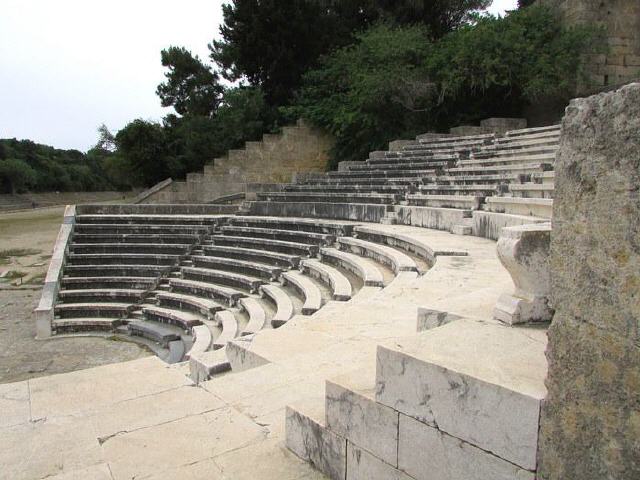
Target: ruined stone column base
[
  {"x": 524, "y": 252},
  {"x": 511, "y": 309}
]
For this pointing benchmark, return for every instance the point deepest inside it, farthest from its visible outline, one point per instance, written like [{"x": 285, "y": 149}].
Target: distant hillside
[{"x": 29, "y": 166}]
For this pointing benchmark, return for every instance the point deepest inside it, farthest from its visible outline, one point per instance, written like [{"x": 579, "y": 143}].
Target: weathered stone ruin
[{"x": 361, "y": 323}]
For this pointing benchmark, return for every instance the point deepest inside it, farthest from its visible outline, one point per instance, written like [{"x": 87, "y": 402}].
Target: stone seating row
[
  {"x": 196, "y": 287},
  {"x": 516, "y": 167}
]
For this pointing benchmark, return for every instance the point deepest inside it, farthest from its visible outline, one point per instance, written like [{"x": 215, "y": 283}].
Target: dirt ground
[{"x": 26, "y": 242}]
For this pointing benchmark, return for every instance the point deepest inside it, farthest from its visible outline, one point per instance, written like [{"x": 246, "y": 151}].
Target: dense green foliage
[
  {"x": 396, "y": 82},
  {"x": 25, "y": 165},
  {"x": 149, "y": 152},
  {"x": 272, "y": 43},
  {"x": 191, "y": 87}
]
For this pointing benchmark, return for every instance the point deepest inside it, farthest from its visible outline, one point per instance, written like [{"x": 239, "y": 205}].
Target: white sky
[{"x": 66, "y": 66}]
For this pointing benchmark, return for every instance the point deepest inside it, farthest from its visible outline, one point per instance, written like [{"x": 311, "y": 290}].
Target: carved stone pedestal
[{"x": 524, "y": 252}]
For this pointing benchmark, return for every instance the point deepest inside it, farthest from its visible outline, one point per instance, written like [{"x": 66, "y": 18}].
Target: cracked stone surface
[
  {"x": 480, "y": 382},
  {"x": 426, "y": 453}
]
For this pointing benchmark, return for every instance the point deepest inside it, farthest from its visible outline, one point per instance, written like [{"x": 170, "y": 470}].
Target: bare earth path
[{"x": 21, "y": 356}]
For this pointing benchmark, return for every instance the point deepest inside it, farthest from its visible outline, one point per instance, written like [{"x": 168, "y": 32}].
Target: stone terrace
[
  {"x": 356, "y": 345},
  {"x": 144, "y": 418},
  {"x": 448, "y": 183}
]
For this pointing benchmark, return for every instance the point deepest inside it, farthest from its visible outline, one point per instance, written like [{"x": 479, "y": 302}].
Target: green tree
[
  {"x": 191, "y": 87},
  {"x": 106, "y": 140},
  {"x": 243, "y": 116},
  {"x": 396, "y": 82},
  {"x": 271, "y": 43},
  {"x": 439, "y": 16},
  {"x": 16, "y": 175},
  {"x": 55, "y": 169},
  {"x": 371, "y": 92},
  {"x": 143, "y": 145}
]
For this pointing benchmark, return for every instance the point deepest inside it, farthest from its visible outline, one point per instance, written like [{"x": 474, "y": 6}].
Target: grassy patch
[
  {"x": 13, "y": 274},
  {"x": 37, "y": 279},
  {"x": 17, "y": 252}
]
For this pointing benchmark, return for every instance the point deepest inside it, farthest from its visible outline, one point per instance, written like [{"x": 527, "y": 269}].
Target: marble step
[
  {"x": 308, "y": 437},
  {"x": 340, "y": 285},
  {"x": 481, "y": 383},
  {"x": 371, "y": 276},
  {"x": 307, "y": 288}
]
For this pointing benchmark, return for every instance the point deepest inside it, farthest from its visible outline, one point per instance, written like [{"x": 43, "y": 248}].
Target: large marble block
[
  {"x": 468, "y": 390},
  {"x": 307, "y": 437},
  {"x": 426, "y": 453},
  {"x": 356, "y": 416},
  {"x": 361, "y": 465}
]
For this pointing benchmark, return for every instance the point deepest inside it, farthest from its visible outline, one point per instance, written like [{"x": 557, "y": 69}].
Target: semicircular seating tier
[
  {"x": 307, "y": 279},
  {"x": 186, "y": 280},
  {"x": 185, "y": 285},
  {"x": 464, "y": 184}
]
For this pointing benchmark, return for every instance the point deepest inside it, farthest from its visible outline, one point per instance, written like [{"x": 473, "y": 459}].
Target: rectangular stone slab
[
  {"x": 444, "y": 377},
  {"x": 426, "y": 453}
]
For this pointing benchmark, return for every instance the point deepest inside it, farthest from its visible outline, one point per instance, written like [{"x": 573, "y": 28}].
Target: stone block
[
  {"x": 400, "y": 144},
  {"x": 307, "y": 437},
  {"x": 432, "y": 136},
  {"x": 462, "y": 230},
  {"x": 346, "y": 165},
  {"x": 632, "y": 60},
  {"x": 426, "y": 453},
  {"x": 352, "y": 413},
  {"x": 361, "y": 465},
  {"x": 377, "y": 154},
  {"x": 430, "y": 217},
  {"x": 590, "y": 424},
  {"x": 524, "y": 252},
  {"x": 428, "y": 319},
  {"x": 502, "y": 125},
  {"x": 447, "y": 385},
  {"x": 465, "y": 130},
  {"x": 490, "y": 224}
]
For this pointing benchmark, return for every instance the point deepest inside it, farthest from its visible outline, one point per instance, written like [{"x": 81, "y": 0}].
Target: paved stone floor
[{"x": 144, "y": 419}]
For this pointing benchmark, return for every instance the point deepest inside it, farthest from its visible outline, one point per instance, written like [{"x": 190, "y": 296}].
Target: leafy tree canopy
[
  {"x": 272, "y": 43},
  {"x": 16, "y": 175},
  {"x": 395, "y": 82},
  {"x": 144, "y": 145},
  {"x": 43, "y": 168},
  {"x": 191, "y": 87}
]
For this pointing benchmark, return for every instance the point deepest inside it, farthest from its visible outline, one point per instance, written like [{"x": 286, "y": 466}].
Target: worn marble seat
[
  {"x": 221, "y": 277},
  {"x": 370, "y": 275},
  {"x": 256, "y": 269},
  {"x": 299, "y": 236},
  {"x": 309, "y": 291},
  {"x": 282, "y": 302}
]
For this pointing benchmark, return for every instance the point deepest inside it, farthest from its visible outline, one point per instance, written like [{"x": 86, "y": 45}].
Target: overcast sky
[{"x": 66, "y": 66}]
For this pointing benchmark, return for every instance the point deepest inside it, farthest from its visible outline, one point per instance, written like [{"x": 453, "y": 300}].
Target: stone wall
[
  {"x": 275, "y": 159},
  {"x": 590, "y": 427},
  {"x": 621, "y": 19}
]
